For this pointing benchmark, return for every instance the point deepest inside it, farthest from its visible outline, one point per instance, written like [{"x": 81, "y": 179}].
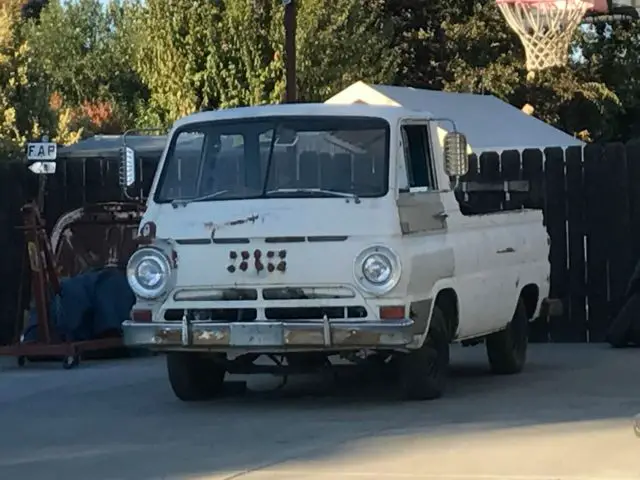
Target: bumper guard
[{"x": 305, "y": 335}]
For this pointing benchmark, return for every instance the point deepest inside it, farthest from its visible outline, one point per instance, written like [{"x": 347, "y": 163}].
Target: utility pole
[{"x": 290, "y": 24}]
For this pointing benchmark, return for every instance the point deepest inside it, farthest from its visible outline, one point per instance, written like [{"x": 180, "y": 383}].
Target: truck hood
[
  {"x": 260, "y": 219},
  {"x": 322, "y": 235}
]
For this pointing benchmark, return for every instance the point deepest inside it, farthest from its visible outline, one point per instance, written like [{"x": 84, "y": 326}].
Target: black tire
[
  {"x": 507, "y": 349},
  {"x": 424, "y": 372},
  {"x": 194, "y": 377},
  {"x": 619, "y": 332}
]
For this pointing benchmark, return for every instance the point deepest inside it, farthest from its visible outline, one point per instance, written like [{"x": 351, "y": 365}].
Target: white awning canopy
[{"x": 488, "y": 123}]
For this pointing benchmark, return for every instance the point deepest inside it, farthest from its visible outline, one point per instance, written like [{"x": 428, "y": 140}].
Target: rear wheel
[
  {"x": 621, "y": 331},
  {"x": 507, "y": 349},
  {"x": 424, "y": 372},
  {"x": 194, "y": 377}
]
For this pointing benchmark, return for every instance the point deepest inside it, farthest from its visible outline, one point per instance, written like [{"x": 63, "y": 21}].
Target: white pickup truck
[{"x": 308, "y": 231}]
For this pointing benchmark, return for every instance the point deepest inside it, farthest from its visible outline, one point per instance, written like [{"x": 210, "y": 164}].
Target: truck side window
[{"x": 417, "y": 153}]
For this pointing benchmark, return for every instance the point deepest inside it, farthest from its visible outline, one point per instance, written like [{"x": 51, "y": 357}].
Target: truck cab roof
[{"x": 391, "y": 113}]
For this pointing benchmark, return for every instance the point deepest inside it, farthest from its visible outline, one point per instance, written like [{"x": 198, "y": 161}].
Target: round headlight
[
  {"x": 148, "y": 273},
  {"x": 377, "y": 269}
]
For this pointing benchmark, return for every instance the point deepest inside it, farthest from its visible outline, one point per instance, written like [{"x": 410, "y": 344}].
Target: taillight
[{"x": 141, "y": 316}]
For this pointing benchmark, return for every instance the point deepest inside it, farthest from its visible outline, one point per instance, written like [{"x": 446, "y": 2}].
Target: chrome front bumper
[{"x": 269, "y": 336}]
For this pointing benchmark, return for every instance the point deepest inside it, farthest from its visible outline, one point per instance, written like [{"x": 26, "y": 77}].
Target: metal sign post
[
  {"x": 42, "y": 157},
  {"x": 290, "y": 25}
]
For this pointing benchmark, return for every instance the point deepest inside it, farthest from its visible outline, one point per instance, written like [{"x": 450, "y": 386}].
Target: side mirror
[
  {"x": 456, "y": 160},
  {"x": 127, "y": 168}
]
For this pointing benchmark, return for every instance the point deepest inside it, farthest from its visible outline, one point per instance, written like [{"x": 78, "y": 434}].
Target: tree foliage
[
  {"x": 85, "y": 51},
  {"x": 467, "y": 46},
  {"x": 78, "y": 67},
  {"x": 230, "y": 53},
  {"x": 612, "y": 57},
  {"x": 24, "y": 110}
]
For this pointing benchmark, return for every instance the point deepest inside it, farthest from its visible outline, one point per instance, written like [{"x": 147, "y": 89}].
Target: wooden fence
[
  {"x": 593, "y": 218},
  {"x": 591, "y": 202},
  {"x": 15, "y": 186},
  {"x": 591, "y": 199},
  {"x": 76, "y": 183}
]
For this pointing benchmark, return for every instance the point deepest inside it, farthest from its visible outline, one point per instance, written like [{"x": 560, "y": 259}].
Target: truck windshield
[{"x": 276, "y": 157}]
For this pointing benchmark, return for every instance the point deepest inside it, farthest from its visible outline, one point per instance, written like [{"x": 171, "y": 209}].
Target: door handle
[{"x": 506, "y": 250}]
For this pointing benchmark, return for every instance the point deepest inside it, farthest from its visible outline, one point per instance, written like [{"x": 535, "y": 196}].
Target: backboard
[{"x": 617, "y": 10}]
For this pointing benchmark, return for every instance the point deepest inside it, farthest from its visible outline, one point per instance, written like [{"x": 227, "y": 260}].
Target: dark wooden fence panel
[
  {"x": 575, "y": 327},
  {"x": 15, "y": 185},
  {"x": 621, "y": 261},
  {"x": 596, "y": 238},
  {"x": 556, "y": 219},
  {"x": 512, "y": 171},
  {"x": 490, "y": 172},
  {"x": 533, "y": 172},
  {"x": 633, "y": 186}
]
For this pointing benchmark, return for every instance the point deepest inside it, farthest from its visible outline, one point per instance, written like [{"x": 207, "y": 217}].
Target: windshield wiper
[
  {"x": 187, "y": 201},
  {"x": 320, "y": 191}
]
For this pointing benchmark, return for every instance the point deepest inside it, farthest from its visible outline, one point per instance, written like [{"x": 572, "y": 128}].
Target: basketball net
[{"x": 545, "y": 28}]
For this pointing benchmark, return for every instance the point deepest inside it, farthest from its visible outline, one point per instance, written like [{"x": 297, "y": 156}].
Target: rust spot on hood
[{"x": 231, "y": 223}]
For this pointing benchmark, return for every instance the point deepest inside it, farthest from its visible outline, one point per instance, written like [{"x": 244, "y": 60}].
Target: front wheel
[
  {"x": 621, "y": 331},
  {"x": 194, "y": 377},
  {"x": 424, "y": 372},
  {"x": 507, "y": 349}
]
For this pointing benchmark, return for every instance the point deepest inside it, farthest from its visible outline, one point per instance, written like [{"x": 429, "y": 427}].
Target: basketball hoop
[{"x": 546, "y": 27}]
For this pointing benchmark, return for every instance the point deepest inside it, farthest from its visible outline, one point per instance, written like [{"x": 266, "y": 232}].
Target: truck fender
[
  {"x": 530, "y": 296},
  {"x": 422, "y": 312}
]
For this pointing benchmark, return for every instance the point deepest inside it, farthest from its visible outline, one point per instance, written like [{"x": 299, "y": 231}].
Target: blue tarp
[{"x": 90, "y": 305}]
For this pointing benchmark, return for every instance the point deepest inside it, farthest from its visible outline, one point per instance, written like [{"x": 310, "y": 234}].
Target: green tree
[
  {"x": 612, "y": 57},
  {"x": 175, "y": 38},
  {"x": 341, "y": 42},
  {"x": 24, "y": 109},
  {"x": 85, "y": 49},
  {"x": 197, "y": 54}
]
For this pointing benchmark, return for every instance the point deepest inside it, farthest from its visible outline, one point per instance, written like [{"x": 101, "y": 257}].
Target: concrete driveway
[{"x": 569, "y": 417}]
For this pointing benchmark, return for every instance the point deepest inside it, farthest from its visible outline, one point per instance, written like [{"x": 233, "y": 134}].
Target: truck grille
[
  {"x": 314, "y": 313},
  {"x": 279, "y": 313},
  {"x": 271, "y": 303},
  {"x": 213, "y": 315}
]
